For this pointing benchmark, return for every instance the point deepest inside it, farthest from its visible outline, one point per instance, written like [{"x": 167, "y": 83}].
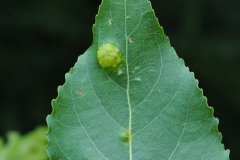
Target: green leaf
[{"x": 150, "y": 107}]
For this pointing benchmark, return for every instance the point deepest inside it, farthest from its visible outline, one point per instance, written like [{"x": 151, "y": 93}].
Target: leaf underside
[{"x": 152, "y": 96}]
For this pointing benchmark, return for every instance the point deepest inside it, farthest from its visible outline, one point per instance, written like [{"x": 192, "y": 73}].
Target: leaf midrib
[{"x": 128, "y": 86}]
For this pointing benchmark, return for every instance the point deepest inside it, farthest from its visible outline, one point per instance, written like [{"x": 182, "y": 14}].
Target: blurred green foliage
[
  {"x": 41, "y": 40},
  {"x": 28, "y": 147}
]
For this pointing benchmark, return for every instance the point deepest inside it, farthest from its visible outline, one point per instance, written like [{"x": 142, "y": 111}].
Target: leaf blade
[{"x": 155, "y": 97}]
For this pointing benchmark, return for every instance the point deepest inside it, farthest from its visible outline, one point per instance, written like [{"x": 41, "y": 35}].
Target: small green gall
[
  {"x": 109, "y": 56},
  {"x": 125, "y": 136}
]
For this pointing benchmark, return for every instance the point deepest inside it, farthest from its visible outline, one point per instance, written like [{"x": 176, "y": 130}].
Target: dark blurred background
[{"x": 41, "y": 40}]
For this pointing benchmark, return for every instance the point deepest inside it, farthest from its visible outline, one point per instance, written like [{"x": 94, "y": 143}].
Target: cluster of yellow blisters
[{"x": 109, "y": 56}]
